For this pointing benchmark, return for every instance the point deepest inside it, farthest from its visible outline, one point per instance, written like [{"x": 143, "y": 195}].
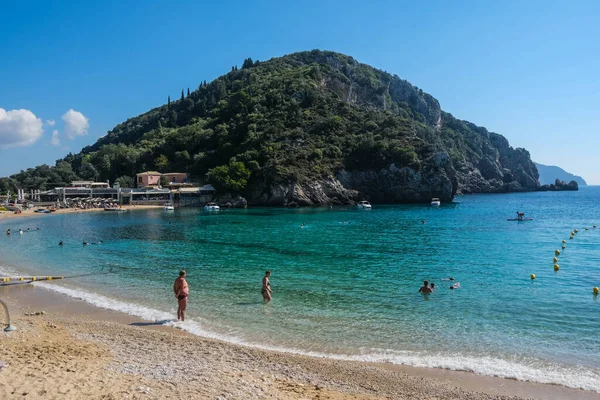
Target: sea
[{"x": 345, "y": 284}]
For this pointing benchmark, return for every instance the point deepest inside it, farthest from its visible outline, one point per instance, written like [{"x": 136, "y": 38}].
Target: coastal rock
[
  {"x": 232, "y": 201},
  {"x": 326, "y": 191},
  {"x": 559, "y": 186}
]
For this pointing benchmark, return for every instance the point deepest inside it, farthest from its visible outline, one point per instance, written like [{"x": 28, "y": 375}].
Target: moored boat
[
  {"x": 117, "y": 209},
  {"x": 363, "y": 205},
  {"x": 435, "y": 202},
  {"x": 211, "y": 207}
]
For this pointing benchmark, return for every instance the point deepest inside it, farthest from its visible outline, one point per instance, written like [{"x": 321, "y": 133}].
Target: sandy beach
[
  {"x": 74, "y": 350},
  {"x": 32, "y": 213}
]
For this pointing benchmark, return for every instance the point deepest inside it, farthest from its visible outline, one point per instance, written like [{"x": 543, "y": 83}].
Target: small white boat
[
  {"x": 435, "y": 202},
  {"x": 169, "y": 207},
  {"x": 363, "y": 205},
  {"x": 115, "y": 209},
  {"x": 211, "y": 207}
]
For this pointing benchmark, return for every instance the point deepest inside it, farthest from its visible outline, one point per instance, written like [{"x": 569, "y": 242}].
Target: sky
[{"x": 72, "y": 70}]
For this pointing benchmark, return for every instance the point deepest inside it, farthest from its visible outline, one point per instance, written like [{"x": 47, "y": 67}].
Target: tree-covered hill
[{"x": 307, "y": 128}]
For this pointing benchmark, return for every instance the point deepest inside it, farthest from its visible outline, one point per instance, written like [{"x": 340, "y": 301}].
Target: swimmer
[
  {"x": 302, "y": 226},
  {"x": 20, "y": 231},
  {"x": 27, "y": 229},
  {"x": 423, "y": 221},
  {"x": 181, "y": 289},
  {"x": 37, "y": 229},
  {"x": 85, "y": 243},
  {"x": 432, "y": 286},
  {"x": 8, "y": 232},
  {"x": 425, "y": 288},
  {"x": 60, "y": 243},
  {"x": 266, "y": 287},
  {"x": 455, "y": 285}
]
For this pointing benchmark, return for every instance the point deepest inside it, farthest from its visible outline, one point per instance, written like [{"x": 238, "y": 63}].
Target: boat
[
  {"x": 211, "y": 207},
  {"x": 519, "y": 219},
  {"x": 117, "y": 209},
  {"x": 43, "y": 211},
  {"x": 169, "y": 207},
  {"x": 363, "y": 205},
  {"x": 435, "y": 202}
]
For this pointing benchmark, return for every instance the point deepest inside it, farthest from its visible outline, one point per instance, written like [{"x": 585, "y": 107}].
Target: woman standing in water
[
  {"x": 181, "y": 289},
  {"x": 266, "y": 287}
]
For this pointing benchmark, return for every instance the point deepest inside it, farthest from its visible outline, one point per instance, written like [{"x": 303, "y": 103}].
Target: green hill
[{"x": 308, "y": 128}]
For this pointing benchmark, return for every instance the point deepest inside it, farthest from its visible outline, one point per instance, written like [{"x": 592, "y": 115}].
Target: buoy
[
  {"x": 586, "y": 229},
  {"x": 532, "y": 276},
  {"x": 571, "y": 237},
  {"x": 557, "y": 252},
  {"x": 564, "y": 241},
  {"x": 594, "y": 226},
  {"x": 596, "y": 290},
  {"x": 556, "y": 267},
  {"x": 555, "y": 259},
  {"x": 564, "y": 247},
  {"x": 575, "y": 231}
]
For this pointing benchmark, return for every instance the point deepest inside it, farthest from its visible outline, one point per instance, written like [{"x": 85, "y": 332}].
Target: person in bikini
[
  {"x": 181, "y": 289},
  {"x": 266, "y": 287}
]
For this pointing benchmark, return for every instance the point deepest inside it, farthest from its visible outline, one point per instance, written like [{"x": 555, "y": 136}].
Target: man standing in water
[
  {"x": 181, "y": 289},
  {"x": 266, "y": 287}
]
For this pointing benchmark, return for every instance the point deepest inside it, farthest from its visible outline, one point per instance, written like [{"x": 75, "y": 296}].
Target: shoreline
[
  {"x": 5, "y": 215},
  {"x": 120, "y": 336}
]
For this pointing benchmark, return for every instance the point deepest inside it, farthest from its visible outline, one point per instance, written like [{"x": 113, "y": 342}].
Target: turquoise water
[{"x": 349, "y": 290}]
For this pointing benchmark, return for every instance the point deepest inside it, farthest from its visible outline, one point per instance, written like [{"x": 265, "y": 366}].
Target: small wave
[{"x": 570, "y": 376}]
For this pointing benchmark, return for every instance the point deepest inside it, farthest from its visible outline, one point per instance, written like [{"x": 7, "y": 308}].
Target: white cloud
[
  {"x": 55, "y": 141},
  {"x": 19, "y": 128},
  {"x": 76, "y": 124},
  {"x": 50, "y": 122}
]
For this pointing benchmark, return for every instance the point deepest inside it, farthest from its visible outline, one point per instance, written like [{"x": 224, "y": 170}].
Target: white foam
[{"x": 569, "y": 376}]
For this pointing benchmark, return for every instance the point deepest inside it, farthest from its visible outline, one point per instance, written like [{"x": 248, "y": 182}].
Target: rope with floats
[{"x": 29, "y": 279}]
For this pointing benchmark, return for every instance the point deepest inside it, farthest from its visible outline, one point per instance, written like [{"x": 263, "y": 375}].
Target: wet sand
[{"x": 75, "y": 350}]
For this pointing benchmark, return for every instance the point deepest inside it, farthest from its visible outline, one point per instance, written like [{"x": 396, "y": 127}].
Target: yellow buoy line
[
  {"x": 595, "y": 290},
  {"x": 30, "y": 278}
]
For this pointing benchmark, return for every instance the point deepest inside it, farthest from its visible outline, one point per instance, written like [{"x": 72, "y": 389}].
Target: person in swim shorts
[
  {"x": 181, "y": 289},
  {"x": 266, "y": 287}
]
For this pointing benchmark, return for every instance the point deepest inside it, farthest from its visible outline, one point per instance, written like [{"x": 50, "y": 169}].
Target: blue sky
[{"x": 525, "y": 69}]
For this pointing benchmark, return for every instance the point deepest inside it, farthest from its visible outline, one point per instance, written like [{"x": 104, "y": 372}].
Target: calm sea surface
[{"x": 346, "y": 284}]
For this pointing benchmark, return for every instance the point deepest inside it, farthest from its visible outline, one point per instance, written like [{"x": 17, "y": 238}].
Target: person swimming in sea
[
  {"x": 20, "y": 231},
  {"x": 60, "y": 243},
  {"x": 181, "y": 290},
  {"x": 432, "y": 285},
  {"x": 8, "y": 232},
  {"x": 302, "y": 226},
  {"x": 85, "y": 243},
  {"x": 425, "y": 288},
  {"x": 266, "y": 287}
]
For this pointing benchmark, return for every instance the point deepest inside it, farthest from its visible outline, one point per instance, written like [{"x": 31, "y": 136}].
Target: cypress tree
[
  {"x": 169, "y": 102},
  {"x": 182, "y": 95},
  {"x": 188, "y": 92}
]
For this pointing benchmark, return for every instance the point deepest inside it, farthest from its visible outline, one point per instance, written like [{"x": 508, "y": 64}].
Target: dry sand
[
  {"x": 77, "y": 351},
  {"x": 32, "y": 213}
]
